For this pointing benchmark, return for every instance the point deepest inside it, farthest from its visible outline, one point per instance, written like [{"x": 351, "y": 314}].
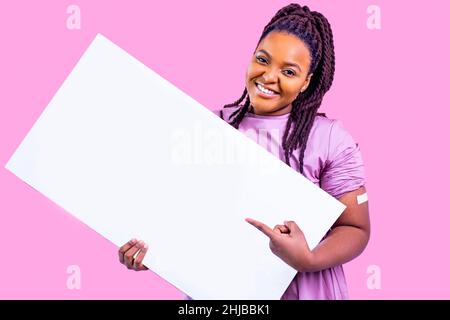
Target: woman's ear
[{"x": 306, "y": 84}]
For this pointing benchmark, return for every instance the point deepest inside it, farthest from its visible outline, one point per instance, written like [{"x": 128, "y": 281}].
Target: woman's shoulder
[
  {"x": 225, "y": 113},
  {"x": 333, "y": 128},
  {"x": 333, "y": 133},
  {"x": 322, "y": 128},
  {"x": 323, "y": 123}
]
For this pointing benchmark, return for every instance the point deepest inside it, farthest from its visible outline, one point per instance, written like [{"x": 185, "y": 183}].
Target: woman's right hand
[{"x": 127, "y": 254}]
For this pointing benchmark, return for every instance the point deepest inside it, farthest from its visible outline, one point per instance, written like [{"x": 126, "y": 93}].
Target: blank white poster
[{"x": 130, "y": 155}]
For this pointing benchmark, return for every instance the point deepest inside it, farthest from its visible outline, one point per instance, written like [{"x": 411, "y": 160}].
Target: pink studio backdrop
[{"x": 390, "y": 91}]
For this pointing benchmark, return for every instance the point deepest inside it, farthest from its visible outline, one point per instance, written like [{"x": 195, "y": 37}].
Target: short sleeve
[{"x": 344, "y": 168}]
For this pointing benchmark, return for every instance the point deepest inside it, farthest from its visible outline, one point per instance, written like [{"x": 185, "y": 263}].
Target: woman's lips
[{"x": 264, "y": 92}]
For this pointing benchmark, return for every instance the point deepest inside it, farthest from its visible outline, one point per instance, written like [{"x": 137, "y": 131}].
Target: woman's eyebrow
[{"x": 286, "y": 63}]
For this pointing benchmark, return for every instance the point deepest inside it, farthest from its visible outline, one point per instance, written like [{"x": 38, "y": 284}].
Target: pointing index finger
[{"x": 261, "y": 227}]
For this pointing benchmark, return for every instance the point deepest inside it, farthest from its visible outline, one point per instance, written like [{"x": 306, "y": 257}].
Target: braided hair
[{"x": 313, "y": 28}]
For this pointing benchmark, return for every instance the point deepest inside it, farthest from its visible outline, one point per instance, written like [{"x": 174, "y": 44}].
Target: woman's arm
[
  {"x": 348, "y": 236},
  {"x": 347, "y": 239}
]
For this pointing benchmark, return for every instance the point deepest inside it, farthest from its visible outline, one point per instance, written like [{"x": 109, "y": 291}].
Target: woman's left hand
[{"x": 288, "y": 243}]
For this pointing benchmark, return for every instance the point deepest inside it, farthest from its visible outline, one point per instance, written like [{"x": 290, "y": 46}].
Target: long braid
[
  {"x": 313, "y": 28},
  {"x": 238, "y": 100},
  {"x": 240, "y": 113}
]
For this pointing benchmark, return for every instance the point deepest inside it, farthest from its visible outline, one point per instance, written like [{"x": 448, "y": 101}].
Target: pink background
[{"x": 390, "y": 91}]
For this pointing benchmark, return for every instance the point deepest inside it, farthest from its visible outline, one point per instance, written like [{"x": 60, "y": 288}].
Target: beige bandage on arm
[{"x": 362, "y": 198}]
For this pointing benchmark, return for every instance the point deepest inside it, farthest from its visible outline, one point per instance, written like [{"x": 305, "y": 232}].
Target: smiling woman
[
  {"x": 289, "y": 73},
  {"x": 277, "y": 73}
]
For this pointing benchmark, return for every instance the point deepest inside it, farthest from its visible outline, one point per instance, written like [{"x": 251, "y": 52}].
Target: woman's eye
[
  {"x": 260, "y": 59},
  {"x": 289, "y": 73}
]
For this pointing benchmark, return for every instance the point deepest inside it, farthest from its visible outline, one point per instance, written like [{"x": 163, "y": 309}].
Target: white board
[{"x": 130, "y": 155}]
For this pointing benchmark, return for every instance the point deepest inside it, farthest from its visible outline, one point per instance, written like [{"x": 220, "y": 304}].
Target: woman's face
[{"x": 277, "y": 73}]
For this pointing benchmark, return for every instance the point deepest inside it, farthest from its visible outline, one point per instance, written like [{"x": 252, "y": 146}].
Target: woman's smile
[{"x": 265, "y": 92}]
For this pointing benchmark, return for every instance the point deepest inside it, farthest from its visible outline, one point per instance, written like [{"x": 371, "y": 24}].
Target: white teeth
[{"x": 266, "y": 91}]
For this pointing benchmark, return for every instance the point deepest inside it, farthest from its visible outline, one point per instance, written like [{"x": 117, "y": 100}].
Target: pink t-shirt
[{"x": 332, "y": 161}]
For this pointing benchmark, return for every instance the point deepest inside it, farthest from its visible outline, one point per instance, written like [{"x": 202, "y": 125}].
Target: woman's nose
[{"x": 270, "y": 75}]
